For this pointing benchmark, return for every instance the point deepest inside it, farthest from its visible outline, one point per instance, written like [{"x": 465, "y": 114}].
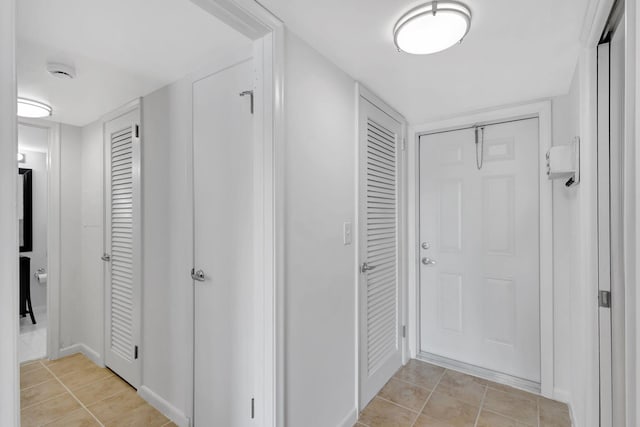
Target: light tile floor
[
  {"x": 424, "y": 395},
  {"x": 74, "y": 392},
  {"x": 33, "y": 338}
]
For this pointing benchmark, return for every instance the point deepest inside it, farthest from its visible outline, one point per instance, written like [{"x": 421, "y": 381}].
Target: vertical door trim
[
  {"x": 604, "y": 237},
  {"x": 362, "y": 92},
  {"x": 542, "y": 110}
]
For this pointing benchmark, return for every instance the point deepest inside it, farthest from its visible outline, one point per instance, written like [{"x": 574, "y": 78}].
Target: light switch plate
[{"x": 347, "y": 234}]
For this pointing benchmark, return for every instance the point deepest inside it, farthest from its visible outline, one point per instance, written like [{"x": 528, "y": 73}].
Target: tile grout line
[
  {"x": 396, "y": 404},
  {"x": 36, "y": 385},
  {"x": 73, "y": 395},
  {"x": 429, "y": 397},
  {"x": 484, "y": 395}
]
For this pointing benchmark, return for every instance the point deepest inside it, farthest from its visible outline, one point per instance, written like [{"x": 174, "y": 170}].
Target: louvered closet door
[
  {"x": 380, "y": 337},
  {"x": 122, "y": 238}
]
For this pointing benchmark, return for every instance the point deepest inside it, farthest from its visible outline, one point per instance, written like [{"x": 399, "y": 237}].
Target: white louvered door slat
[
  {"x": 380, "y": 338},
  {"x": 122, "y": 242}
]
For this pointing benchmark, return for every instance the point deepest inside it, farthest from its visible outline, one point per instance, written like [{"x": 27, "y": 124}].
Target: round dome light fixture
[
  {"x": 432, "y": 27},
  {"x": 33, "y": 109}
]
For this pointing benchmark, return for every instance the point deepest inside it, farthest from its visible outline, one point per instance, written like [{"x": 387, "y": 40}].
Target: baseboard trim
[
  {"x": 350, "y": 419},
  {"x": 477, "y": 371},
  {"x": 84, "y": 349},
  {"x": 170, "y": 411},
  {"x": 572, "y": 415},
  {"x": 561, "y": 395}
]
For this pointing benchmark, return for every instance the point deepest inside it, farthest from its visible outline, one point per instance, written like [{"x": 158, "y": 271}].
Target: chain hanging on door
[{"x": 479, "y": 141}]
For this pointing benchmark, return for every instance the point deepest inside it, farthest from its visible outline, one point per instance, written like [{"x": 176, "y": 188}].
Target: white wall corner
[
  {"x": 350, "y": 419},
  {"x": 93, "y": 355},
  {"x": 167, "y": 409}
]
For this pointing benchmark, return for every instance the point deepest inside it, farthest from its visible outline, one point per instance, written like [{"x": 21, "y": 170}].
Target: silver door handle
[
  {"x": 428, "y": 261},
  {"x": 197, "y": 275},
  {"x": 366, "y": 267},
  {"x": 106, "y": 257}
]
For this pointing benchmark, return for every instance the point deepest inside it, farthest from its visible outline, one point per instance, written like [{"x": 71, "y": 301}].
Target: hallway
[
  {"x": 424, "y": 395},
  {"x": 74, "y": 392}
]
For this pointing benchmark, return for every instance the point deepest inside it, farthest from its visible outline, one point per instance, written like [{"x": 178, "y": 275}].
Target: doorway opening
[
  {"x": 33, "y": 153},
  {"x": 128, "y": 218},
  {"x": 483, "y": 247}
]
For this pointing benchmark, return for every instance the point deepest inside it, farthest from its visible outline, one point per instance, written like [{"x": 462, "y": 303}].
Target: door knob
[
  {"x": 198, "y": 276},
  {"x": 428, "y": 261},
  {"x": 366, "y": 267}
]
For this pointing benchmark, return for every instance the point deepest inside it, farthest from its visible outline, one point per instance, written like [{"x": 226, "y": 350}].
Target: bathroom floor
[
  {"x": 425, "y": 395},
  {"x": 33, "y": 338},
  {"x": 74, "y": 392}
]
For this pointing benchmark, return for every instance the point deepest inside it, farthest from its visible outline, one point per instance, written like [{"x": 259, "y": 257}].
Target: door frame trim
[
  {"x": 54, "y": 251},
  {"x": 363, "y": 92},
  {"x": 267, "y": 33},
  {"x": 256, "y": 20},
  {"x": 541, "y": 110}
]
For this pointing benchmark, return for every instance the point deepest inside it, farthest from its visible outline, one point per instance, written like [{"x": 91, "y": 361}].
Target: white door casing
[
  {"x": 479, "y": 300},
  {"x": 224, "y": 324},
  {"x": 123, "y": 251},
  {"x": 380, "y": 347},
  {"x": 611, "y": 235}
]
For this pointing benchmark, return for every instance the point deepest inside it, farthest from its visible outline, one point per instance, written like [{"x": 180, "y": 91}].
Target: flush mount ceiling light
[
  {"x": 33, "y": 109},
  {"x": 432, "y": 27}
]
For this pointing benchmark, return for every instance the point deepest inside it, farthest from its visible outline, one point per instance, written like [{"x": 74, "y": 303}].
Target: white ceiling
[
  {"x": 122, "y": 49},
  {"x": 33, "y": 138},
  {"x": 515, "y": 51}
]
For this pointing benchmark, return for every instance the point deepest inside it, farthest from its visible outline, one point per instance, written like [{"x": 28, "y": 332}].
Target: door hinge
[
  {"x": 404, "y": 331},
  {"x": 137, "y": 131},
  {"x": 253, "y": 408},
  {"x": 250, "y": 93},
  {"x": 604, "y": 299},
  {"x": 135, "y": 352}
]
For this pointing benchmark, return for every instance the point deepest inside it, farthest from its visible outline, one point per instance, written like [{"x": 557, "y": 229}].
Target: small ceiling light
[
  {"x": 33, "y": 109},
  {"x": 61, "y": 71},
  {"x": 432, "y": 27}
]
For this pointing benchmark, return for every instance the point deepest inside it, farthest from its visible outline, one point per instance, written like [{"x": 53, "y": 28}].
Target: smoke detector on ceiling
[{"x": 61, "y": 71}]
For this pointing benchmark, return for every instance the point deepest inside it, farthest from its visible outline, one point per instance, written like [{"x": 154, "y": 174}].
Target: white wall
[
  {"x": 167, "y": 245},
  {"x": 70, "y": 232},
  {"x": 563, "y": 248},
  {"x": 37, "y": 162},
  {"x": 578, "y": 236},
  {"x": 320, "y": 292},
  {"x": 566, "y": 125},
  {"x": 90, "y": 331}
]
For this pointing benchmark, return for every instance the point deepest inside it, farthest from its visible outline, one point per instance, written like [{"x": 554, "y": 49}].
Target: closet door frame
[
  {"x": 363, "y": 94},
  {"x": 542, "y": 110},
  {"x": 135, "y": 105}
]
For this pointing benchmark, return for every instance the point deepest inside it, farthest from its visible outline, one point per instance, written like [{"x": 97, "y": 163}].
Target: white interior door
[
  {"x": 123, "y": 246},
  {"x": 479, "y": 248},
  {"x": 223, "y": 214},
  {"x": 380, "y": 336}
]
